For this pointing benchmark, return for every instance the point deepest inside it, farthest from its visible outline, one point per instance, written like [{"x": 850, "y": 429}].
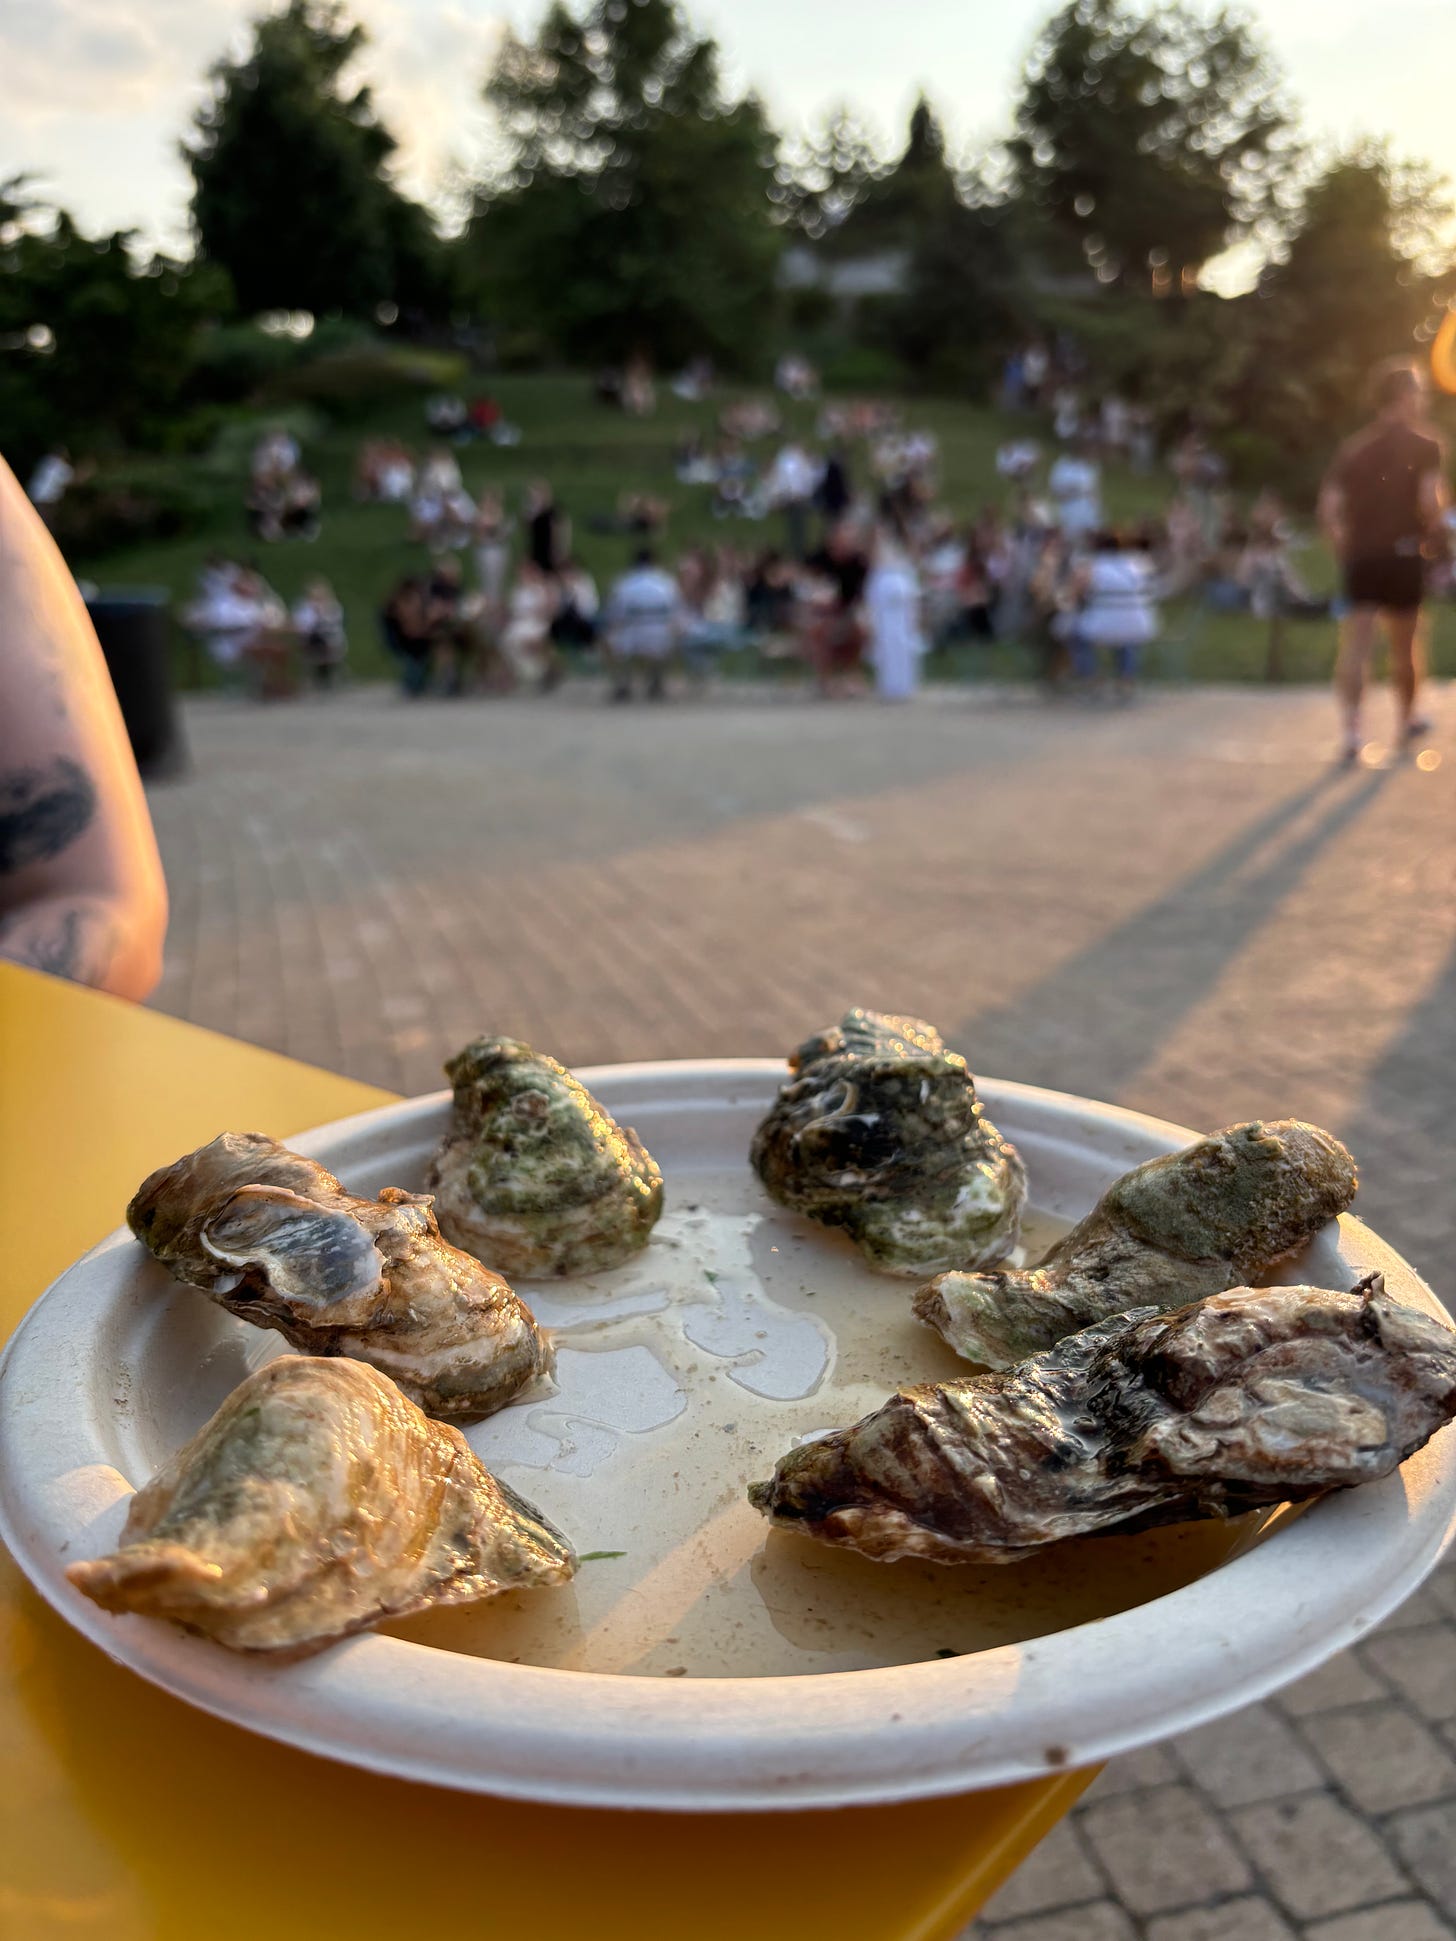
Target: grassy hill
[{"x": 592, "y": 454}]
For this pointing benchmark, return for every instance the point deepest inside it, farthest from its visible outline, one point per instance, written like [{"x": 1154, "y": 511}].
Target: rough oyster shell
[
  {"x": 317, "y": 1501},
  {"x": 1215, "y": 1216},
  {"x": 1251, "y": 1397},
  {"x": 533, "y": 1175},
  {"x": 881, "y": 1133},
  {"x": 274, "y": 1238}
]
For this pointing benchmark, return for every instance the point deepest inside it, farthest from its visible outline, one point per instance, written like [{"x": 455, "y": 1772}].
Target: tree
[
  {"x": 919, "y": 191},
  {"x": 960, "y": 304},
  {"x": 634, "y": 214},
  {"x": 826, "y": 175},
  {"x": 1150, "y": 142},
  {"x": 290, "y": 166},
  {"x": 946, "y": 237},
  {"x": 96, "y": 342},
  {"x": 1359, "y": 280}
]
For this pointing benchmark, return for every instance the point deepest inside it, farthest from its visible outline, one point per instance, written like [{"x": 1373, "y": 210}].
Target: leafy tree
[
  {"x": 634, "y": 215},
  {"x": 290, "y": 166},
  {"x": 1151, "y": 140},
  {"x": 1360, "y": 280},
  {"x": 96, "y": 342},
  {"x": 826, "y": 175}
]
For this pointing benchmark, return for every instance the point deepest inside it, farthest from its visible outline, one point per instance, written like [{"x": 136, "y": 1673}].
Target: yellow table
[{"x": 126, "y": 1816}]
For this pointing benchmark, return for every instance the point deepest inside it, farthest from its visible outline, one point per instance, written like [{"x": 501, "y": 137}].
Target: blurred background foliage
[{"x": 639, "y": 208}]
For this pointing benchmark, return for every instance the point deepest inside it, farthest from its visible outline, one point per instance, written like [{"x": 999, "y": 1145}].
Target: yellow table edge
[{"x": 94, "y": 1093}]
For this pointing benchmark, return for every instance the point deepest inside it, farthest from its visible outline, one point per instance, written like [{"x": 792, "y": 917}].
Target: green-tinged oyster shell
[
  {"x": 534, "y": 1176},
  {"x": 1211, "y": 1217},
  {"x": 1255, "y": 1396},
  {"x": 317, "y": 1501},
  {"x": 880, "y": 1132}
]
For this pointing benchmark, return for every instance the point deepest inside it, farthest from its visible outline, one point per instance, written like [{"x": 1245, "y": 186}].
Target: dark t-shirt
[
  {"x": 849, "y": 571},
  {"x": 541, "y": 539},
  {"x": 1379, "y": 472}
]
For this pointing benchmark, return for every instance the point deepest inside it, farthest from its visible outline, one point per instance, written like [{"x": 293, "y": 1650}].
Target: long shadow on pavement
[
  {"x": 1099, "y": 1017},
  {"x": 1403, "y": 1132}
]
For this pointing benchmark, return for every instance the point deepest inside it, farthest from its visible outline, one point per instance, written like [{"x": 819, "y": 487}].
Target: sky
[{"x": 94, "y": 96}]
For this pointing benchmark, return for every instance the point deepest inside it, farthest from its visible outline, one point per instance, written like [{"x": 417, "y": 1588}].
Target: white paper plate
[{"x": 715, "y": 1664}]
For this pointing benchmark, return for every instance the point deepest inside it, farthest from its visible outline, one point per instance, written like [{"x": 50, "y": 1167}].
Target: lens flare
[{"x": 1443, "y": 354}]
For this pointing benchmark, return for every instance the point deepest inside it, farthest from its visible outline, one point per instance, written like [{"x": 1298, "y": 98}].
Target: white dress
[{"x": 892, "y": 612}]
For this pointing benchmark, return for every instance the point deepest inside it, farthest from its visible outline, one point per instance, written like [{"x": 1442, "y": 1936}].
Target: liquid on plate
[{"x": 680, "y": 1379}]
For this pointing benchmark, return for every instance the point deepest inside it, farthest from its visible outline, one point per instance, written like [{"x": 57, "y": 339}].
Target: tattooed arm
[{"x": 81, "y": 888}]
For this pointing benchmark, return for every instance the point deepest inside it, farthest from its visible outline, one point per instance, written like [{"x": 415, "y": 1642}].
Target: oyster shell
[
  {"x": 317, "y": 1501},
  {"x": 880, "y": 1132},
  {"x": 1250, "y": 1397},
  {"x": 274, "y": 1238},
  {"x": 533, "y": 1175},
  {"x": 1212, "y": 1217}
]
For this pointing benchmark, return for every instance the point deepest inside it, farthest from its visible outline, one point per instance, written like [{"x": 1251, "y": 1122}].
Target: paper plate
[{"x": 700, "y": 1660}]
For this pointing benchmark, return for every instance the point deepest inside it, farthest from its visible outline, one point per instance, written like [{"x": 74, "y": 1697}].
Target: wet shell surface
[
  {"x": 535, "y": 1177},
  {"x": 316, "y": 1502},
  {"x": 880, "y": 1132}
]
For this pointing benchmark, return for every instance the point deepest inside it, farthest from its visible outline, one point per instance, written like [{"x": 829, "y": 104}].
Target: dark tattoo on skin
[
  {"x": 76, "y": 944},
  {"x": 43, "y": 811}
]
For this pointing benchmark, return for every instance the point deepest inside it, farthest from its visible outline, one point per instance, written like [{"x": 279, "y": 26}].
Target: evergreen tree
[
  {"x": 634, "y": 215},
  {"x": 290, "y": 166}
]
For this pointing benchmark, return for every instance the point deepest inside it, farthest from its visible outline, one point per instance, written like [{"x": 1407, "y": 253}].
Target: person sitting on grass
[
  {"x": 404, "y": 622},
  {"x": 527, "y": 649},
  {"x": 644, "y": 625},
  {"x": 319, "y": 619}
]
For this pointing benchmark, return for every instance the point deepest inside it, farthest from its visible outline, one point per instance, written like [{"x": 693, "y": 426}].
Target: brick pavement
[{"x": 1181, "y": 907}]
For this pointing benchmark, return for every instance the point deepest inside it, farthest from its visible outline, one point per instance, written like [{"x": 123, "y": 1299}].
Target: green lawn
[{"x": 591, "y": 454}]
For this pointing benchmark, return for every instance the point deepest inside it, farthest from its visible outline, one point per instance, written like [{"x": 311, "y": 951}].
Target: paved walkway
[{"x": 1181, "y": 907}]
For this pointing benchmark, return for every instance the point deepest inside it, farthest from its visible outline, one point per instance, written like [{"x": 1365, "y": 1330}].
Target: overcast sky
[{"x": 94, "y": 95}]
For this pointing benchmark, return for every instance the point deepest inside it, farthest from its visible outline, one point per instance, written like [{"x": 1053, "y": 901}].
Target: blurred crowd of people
[
  {"x": 837, "y": 552},
  {"x": 250, "y": 633}
]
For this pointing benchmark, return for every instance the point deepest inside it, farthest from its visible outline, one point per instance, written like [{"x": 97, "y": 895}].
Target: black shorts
[{"x": 1394, "y": 582}]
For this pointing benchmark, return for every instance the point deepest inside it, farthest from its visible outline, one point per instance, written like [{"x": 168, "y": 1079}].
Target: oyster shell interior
[
  {"x": 317, "y": 1501},
  {"x": 274, "y": 1238}
]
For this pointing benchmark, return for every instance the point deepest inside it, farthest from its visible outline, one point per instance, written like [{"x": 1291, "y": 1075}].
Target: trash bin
[{"x": 134, "y": 627}]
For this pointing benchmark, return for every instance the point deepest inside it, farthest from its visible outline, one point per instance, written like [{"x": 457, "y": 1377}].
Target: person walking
[{"x": 1380, "y": 507}]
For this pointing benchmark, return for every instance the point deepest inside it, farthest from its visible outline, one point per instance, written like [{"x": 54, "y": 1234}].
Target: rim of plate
[{"x": 1010, "y": 1713}]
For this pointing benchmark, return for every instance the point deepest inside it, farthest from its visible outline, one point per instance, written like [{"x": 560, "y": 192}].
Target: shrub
[
  {"x": 521, "y": 350},
  {"x": 235, "y": 361},
  {"x": 126, "y": 508},
  {"x": 862, "y": 367},
  {"x": 350, "y": 383}
]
